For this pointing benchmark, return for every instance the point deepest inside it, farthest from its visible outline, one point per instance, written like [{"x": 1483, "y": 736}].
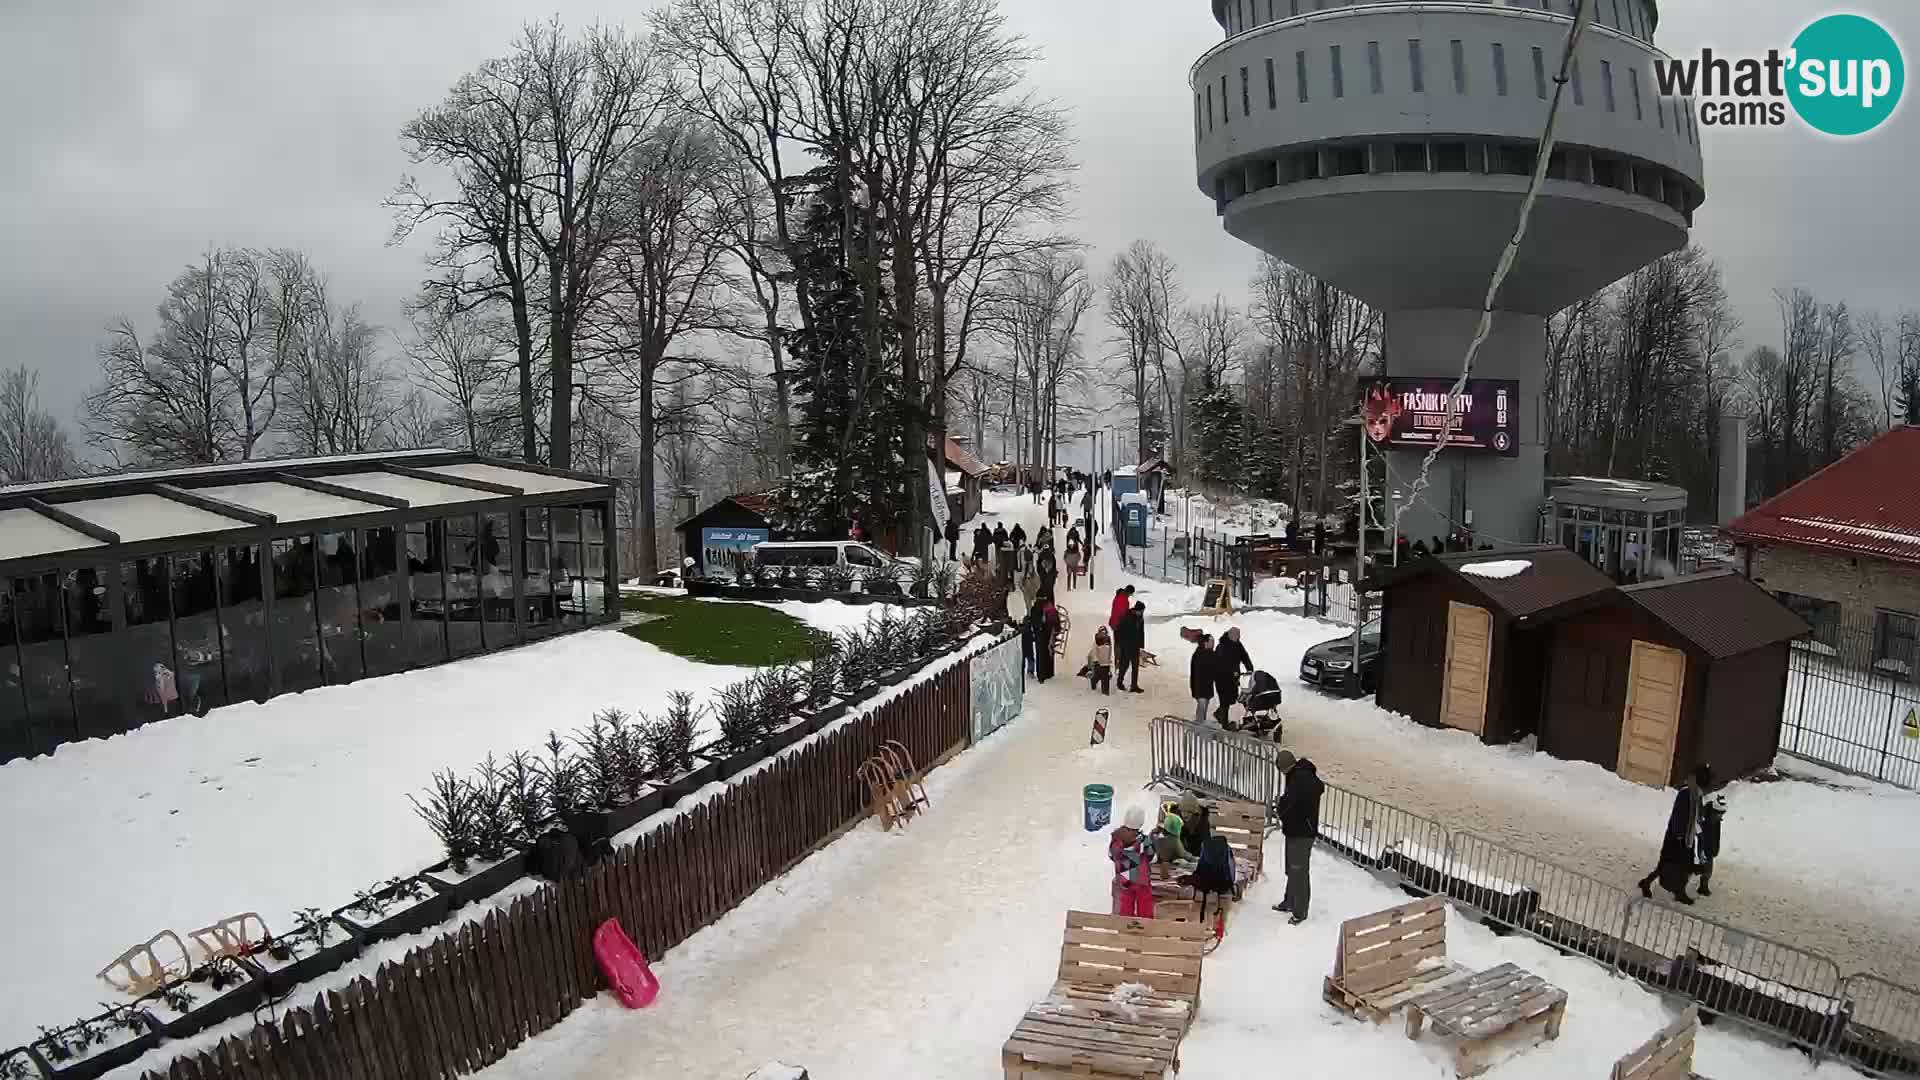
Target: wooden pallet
[
  {"x": 1385, "y": 958},
  {"x": 1062, "y": 1039},
  {"x": 1483, "y": 1007},
  {"x": 1666, "y": 1056}
]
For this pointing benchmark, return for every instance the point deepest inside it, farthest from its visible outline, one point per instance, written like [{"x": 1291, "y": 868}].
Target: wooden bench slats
[
  {"x": 1668, "y": 1055},
  {"x": 1142, "y": 944},
  {"x": 1150, "y": 929},
  {"x": 1079, "y": 1030},
  {"x": 1129, "y": 960},
  {"x": 1483, "y": 1006},
  {"x": 1386, "y": 958}
]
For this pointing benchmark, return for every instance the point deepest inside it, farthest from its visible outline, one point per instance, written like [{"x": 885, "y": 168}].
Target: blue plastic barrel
[{"x": 1098, "y": 800}]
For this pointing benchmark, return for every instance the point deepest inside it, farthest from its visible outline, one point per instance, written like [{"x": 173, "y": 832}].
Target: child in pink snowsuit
[{"x": 1132, "y": 855}]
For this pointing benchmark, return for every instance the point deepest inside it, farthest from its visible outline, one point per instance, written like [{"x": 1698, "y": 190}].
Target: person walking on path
[
  {"x": 1299, "y": 825},
  {"x": 1710, "y": 817},
  {"x": 1131, "y": 853},
  {"x": 1228, "y": 658},
  {"x": 1018, "y": 535},
  {"x": 1000, "y": 539},
  {"x": 1129, "y": 638},
  {"x": 1122, "y": 600},
  {"x": 1049, "y": 569},
  {"x": 1100, "y": 663},
  {"x": 1680, "y": 846},
  {"x": 982, "y": 540},
  {"x": 1053, "y": 507},
  {"x": 1043, "y": 645},
  {"x": 1030, "y": 639},
  {"x": 1200, "y": 679},
  {"x": 953, "y": 539},
  {"x": 1030, "y": 588}
]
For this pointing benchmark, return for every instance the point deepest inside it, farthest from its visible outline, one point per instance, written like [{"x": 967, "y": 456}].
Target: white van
[{"x": 860, "y": 559}]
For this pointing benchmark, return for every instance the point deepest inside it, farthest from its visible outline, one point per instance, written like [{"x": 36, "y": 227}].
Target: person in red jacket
[{"x": 1122, "y": 603}]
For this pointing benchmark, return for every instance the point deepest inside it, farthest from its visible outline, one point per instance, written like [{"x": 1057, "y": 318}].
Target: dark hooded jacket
[
  {"x": 1200, "y": 673},
  {"x": 1300, "y": 801},
  {"x": 1131, "y": 635}
]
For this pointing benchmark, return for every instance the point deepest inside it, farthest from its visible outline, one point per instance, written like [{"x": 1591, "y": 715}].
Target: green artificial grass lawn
[{"x": 743, "y": 635}]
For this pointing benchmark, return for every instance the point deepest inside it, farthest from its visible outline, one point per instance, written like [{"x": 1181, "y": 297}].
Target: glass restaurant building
[{"x": 126, "y": 599}]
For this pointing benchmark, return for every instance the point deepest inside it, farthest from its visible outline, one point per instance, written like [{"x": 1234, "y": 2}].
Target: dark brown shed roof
[
  {"x": 1553, "y": 578},
  {"x": 1720, "y": 612}
]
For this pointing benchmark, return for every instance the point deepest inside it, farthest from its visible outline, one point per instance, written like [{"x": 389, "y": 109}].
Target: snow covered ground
[
  {"x": 914, "y": 953},
  {"x": 295, "y": 803}
]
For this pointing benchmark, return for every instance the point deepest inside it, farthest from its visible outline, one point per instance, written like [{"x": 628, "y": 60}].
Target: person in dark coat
[
  {"x": 1299, "y": 814},
  {"x": 1048, "y": 568},
  {"x": 982, "y": 540},
  {"x": 1228, "y": 658},
  {"x": 1129, "y": 637},
  {"x": 1200, "y": 679},
  {"x": 953, "y": 539},
  {"x": 999, "y": 539},
  {"x": 1043, "y": 644},
  {"x": 1680, "y": 846},
  {"x": 1710, "y": 817},
  {"x": 1018, "y": 535},
  {"x": 1030, "y": 637}
]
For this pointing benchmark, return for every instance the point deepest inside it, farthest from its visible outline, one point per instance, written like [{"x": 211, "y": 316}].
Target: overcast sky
[{"x": 139, "y": 133}]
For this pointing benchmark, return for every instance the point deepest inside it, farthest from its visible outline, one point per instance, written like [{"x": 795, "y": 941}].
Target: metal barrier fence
[
  {"x": 1748, "y": 979},
  {"x": 1850, "y": 689}
]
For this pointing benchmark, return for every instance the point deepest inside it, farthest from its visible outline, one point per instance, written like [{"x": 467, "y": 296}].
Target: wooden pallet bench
[
  {"x": 1389, "y": 956},
  {"x": 1666, "y": 1056},
  {"x": 1244, "y": 827},
  {"x": 1484, "y": 1006},
  {"x": 1125, "y": 993}
]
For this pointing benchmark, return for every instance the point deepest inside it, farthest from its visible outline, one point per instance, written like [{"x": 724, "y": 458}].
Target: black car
[{"x": 1330, "y": 664}]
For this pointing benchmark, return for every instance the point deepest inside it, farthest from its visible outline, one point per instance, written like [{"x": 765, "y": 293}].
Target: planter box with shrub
[
  {"x": 314, "y": 947},
  {"x": 394, "y": 908},
  {"x": 480, "y": 879},
  {"x": 216, "y": 992},
  {"x": 96, "y": 1045}
]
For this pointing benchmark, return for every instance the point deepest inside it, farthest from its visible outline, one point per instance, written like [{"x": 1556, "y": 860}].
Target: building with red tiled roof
[{"x": 1842, "y": 548}]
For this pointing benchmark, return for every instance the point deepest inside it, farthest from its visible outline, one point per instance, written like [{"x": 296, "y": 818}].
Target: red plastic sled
[{"x": 624, "y": 965}]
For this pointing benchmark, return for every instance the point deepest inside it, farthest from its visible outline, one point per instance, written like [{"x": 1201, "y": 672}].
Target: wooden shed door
[
  {"x": 1463, "y": 701},
  {"x": 1648, "y": 731}
]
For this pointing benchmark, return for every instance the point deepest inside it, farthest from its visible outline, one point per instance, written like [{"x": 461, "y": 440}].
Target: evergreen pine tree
[{"x": 1218, "y": 425}]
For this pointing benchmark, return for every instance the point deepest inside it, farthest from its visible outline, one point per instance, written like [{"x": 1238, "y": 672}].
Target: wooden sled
[
  {"x": 1386, "y": 958},
  {"x": 1244, "y": 827},
  {"x": 900, "y": 761},
  {"x": 140, "y": 971},
  {"x": 234, "y": 936},
  {"x": 893, "y": 785},
  {"x": 1066, "y": 629},
  {"x": 1666, "y": 1056}
]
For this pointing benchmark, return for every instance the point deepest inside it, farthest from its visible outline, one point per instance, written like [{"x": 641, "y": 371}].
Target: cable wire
[{"x": 1581, "y": 20}]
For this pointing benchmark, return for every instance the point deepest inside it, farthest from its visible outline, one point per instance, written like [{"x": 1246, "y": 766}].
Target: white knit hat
[{"x": 1136, "y": 818}]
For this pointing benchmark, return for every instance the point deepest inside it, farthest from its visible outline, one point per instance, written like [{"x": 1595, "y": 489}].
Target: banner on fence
[{"x": 999, "y": 684}]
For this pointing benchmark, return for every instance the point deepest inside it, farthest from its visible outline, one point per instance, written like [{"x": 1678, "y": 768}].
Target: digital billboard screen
[{"x": 1411, "y": 414}]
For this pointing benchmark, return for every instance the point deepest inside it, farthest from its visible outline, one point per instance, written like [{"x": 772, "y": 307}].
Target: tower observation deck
[{"x": 1386, "y": 148}]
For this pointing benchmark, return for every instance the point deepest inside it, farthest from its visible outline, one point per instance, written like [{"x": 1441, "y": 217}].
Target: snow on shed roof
[
  {"x": 26, "y": 533},
  {"x": 288, "y": 503},
  {"x": 149, "y": 517},
  {"x": 1866, "y": 503},
  {"x": 1553, "y": 576}
]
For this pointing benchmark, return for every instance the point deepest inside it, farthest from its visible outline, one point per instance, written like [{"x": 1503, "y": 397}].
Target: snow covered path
[{"x": 913, "y": 954}]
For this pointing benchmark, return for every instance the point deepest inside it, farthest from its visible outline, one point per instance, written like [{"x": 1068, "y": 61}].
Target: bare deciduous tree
[{"x": 33, "y": 446}]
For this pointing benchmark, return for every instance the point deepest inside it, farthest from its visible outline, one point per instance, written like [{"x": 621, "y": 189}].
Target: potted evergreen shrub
[
  {"x": 669, "y": 739},
  {"x": 782, "y": 688},
  {"x": 314, "y": 946},
  {"x": 393, "y": 908},
  {"x": 946, "y": 580},
  {"x": 836, "y": 581},
  {"x": 215, "y": 992},
  {"x": 920, "y": 581},
  {"x": 743, "y": 731},
  {"x": 857, "y": 667},
  {"x": 613, "y": 770},
  {"x": 96, "y": 1045},
  {"x": 821, "y": 706},
  {"x": 475, "y": 826},
  {"x": 803, "y": 583},
  {"x": 888, "y": 639}
]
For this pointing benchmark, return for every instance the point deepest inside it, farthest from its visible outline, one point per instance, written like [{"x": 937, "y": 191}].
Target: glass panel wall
[
  {"x": 463, "y": 586},
  {"x": 39, "y": 618},
  {"x": 13, "y": 692},
  {"x": 567, "y": 564},
  {"x": 594, "y": 561},
  {"x": 339, "y": 605},
  {"x": 426, "y": 562},
  {"x": 200, "y": 676},
  {"x": 296, "y": 646},
  {"x": 536, "y": 576},
  {"x": 380, "y": 592},
  {"x": 495, "y": 564},
  {"x": 243, "y": 623},
  {"x": 104, "y": 691},
  {"x": 149, "y": 639}
]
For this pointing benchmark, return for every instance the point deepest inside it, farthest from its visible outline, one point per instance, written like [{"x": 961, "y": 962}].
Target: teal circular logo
[{"x": 1846, "y": 75}]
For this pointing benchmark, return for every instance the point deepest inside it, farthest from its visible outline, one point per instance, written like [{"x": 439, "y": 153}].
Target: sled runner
[
  {"x": 235, "y": 936},
  {"x": 140, "y": 970}
]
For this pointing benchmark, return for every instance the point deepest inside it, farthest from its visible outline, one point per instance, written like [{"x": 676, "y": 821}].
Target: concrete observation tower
[{"x": 1386, "y": 146}]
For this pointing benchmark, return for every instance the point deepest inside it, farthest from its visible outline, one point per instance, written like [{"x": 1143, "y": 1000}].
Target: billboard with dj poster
[{"x": 1411, "y": 414}]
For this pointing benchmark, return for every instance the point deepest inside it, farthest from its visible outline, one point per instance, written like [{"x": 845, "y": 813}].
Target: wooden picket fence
[{"x": 460, "y": 1004}]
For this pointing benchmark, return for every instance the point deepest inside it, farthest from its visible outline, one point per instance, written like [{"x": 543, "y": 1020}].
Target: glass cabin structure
[
  {"x": 129, "y": 598},
  {"x": 1626, "y": 528}
]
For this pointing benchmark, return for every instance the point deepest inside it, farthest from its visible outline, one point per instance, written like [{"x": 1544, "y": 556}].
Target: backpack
[{"x": 1215, "y": 872}]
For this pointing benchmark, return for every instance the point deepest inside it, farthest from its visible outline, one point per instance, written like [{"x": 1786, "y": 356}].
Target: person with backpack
[
  {"x": 1299, "y": 825},
  {"x": 1131, "y": 853},
  {"x": 1710, "y": 817}
]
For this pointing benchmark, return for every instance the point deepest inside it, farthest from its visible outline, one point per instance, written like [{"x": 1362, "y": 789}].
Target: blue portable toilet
[{"x": 1133, "y": 516}]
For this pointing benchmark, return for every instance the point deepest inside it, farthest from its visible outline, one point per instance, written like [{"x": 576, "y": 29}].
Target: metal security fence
[
  {"x": 1850, "y": 692},
  {"x": 1760, "y": 983}
]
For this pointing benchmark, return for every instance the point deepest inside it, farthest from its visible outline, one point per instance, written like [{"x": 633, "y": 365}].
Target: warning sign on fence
[{"x": 1911, "y": 725}]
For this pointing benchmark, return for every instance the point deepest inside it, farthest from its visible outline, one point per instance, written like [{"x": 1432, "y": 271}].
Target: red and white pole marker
[{"x": 1099, "y": 727}]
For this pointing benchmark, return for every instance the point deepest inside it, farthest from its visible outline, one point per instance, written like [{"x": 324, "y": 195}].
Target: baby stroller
[{"x": 1262, "y": 700}]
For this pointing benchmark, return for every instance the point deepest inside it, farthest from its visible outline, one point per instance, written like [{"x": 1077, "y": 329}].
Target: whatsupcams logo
[{"x": 1842, "y": 76}]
